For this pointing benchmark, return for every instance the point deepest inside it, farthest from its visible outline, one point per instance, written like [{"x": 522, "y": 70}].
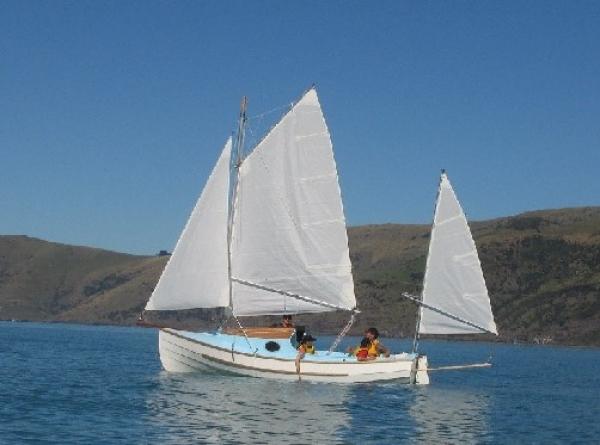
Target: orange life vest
[
  {"x": 308, "y": 349},
  {"x": 374, "y": 348},
  {"x": 362, "y": 353}
]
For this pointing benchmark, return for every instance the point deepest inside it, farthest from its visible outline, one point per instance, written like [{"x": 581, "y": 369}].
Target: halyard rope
[
  {"x": 343, "y": 333},
  {"x": 244, "y": 332}
]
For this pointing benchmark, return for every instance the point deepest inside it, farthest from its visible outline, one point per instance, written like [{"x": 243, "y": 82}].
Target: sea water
[{"x": 69, "y": 384}]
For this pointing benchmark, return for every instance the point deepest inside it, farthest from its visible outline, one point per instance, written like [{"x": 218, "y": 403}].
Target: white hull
[{"x": 181, "y": 353}]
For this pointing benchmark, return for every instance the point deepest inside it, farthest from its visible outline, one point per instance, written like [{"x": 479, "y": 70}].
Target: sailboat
[{"x": 268, "y": 237}]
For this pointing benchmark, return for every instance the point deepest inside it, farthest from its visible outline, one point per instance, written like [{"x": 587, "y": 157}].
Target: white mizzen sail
[
  {"x": 196, "y": 275},
  {"x": 289, "y": 230},
  {"x": 454, "y": 280}
]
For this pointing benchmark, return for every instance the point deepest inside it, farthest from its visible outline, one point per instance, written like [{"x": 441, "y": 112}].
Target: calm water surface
[{"x": 103, "y": 385}]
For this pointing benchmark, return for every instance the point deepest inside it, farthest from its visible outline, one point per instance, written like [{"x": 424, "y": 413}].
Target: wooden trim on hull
[
  {"x": 268, "y": 333},
  {"x": 181, "y": 354}
]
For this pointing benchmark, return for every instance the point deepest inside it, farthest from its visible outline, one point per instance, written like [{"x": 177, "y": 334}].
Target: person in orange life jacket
[
  {"x": 306, "y": 347},
  {"x": 352, "y": 350},
  {"x": 362, "y": 352},
  {"x": 376, "y": 348}
]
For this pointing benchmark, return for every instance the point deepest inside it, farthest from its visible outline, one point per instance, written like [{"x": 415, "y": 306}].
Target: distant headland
[{"x": 542, "y": 269}]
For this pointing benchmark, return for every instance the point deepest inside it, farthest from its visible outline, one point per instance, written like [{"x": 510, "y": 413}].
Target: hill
[{"x": 542, "y": 270}]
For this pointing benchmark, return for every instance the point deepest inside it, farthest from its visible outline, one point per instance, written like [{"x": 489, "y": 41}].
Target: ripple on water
[{"x": 80, "y": 384}]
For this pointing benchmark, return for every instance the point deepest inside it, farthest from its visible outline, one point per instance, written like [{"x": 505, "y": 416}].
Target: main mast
[{"x": 236, "y": 162}]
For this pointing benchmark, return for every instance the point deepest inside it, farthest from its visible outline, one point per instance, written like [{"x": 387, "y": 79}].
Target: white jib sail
[
  {"x": 289, "y": 230},
  {"x": 196, "y": 275},
  {"x": 454, "y": 280}
]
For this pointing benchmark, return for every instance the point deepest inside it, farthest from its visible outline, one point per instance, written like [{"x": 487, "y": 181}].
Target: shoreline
[{"x": 322, "y": 333}]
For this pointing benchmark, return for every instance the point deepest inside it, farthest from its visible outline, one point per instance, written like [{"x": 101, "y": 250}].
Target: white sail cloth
[
  {"x": 197, "y": 272},
  {"x": 454, "y": 280},
  {"x": 289, "y": 230}
]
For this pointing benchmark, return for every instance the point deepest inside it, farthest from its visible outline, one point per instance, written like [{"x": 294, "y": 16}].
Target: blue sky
[{"x": 113, "y": 113}]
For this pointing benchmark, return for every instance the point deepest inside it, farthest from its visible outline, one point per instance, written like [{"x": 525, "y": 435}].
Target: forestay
[
  {"x": 196, "y": 274},
  {"x": 454, "y": 280},
  {"x": 289, "y": 231}
]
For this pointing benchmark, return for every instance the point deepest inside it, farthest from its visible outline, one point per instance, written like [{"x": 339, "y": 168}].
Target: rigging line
[
  {"x": 455, "y": 367},
  {"x": 415, "y": 347},
  {"x": 244, "y": 332},
  {"x": 342, "y": 334},
  {"x": 446, "y": 314},
  {"x": 408, "y": 283},
  {"x": 289, "y": 294},
  {"x": 279, "y": 193},
  {"x": 492, "y": 352},
  {"x": 254, "y": 149},
  {"x": 226, "y": 315},
  {"x": 253, "y": 136},
  {"x": 254, "y": 128},
  {"x": 262, "y": 115},
  {"x": 289, "y": 110}
]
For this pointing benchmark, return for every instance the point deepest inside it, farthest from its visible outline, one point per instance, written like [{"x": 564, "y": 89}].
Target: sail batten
[
  {"x": 454, "y": 281},
  {"x": 289, "y": 220},
  {"x": 196, "y": 275}
]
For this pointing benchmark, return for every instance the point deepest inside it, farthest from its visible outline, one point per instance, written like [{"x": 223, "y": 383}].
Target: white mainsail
[
  {"x": 196, "y": 275},
  {"x": 289, "y": 230},
  {"x": 454, "y": 280}
]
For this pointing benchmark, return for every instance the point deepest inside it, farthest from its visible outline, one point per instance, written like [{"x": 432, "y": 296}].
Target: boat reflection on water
[
  {"x": 443, "y": 415},
  {"x": 395, "y": 413},
  {"x": 211, "y": 408}
]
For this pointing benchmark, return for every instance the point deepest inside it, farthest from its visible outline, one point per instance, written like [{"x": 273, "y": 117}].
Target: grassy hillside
[
  {"x": 40, "y": 280},
  {"x": 542, "y": 270}
]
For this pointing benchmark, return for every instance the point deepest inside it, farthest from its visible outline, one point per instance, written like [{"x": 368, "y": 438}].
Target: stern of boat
[{"x": 419, "y": 374}]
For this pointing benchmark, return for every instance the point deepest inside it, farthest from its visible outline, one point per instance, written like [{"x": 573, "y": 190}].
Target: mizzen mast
[{"x": 415, "y": 347}]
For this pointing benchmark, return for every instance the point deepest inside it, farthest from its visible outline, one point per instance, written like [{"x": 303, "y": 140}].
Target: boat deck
[{"x": 287, "y": 351}]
